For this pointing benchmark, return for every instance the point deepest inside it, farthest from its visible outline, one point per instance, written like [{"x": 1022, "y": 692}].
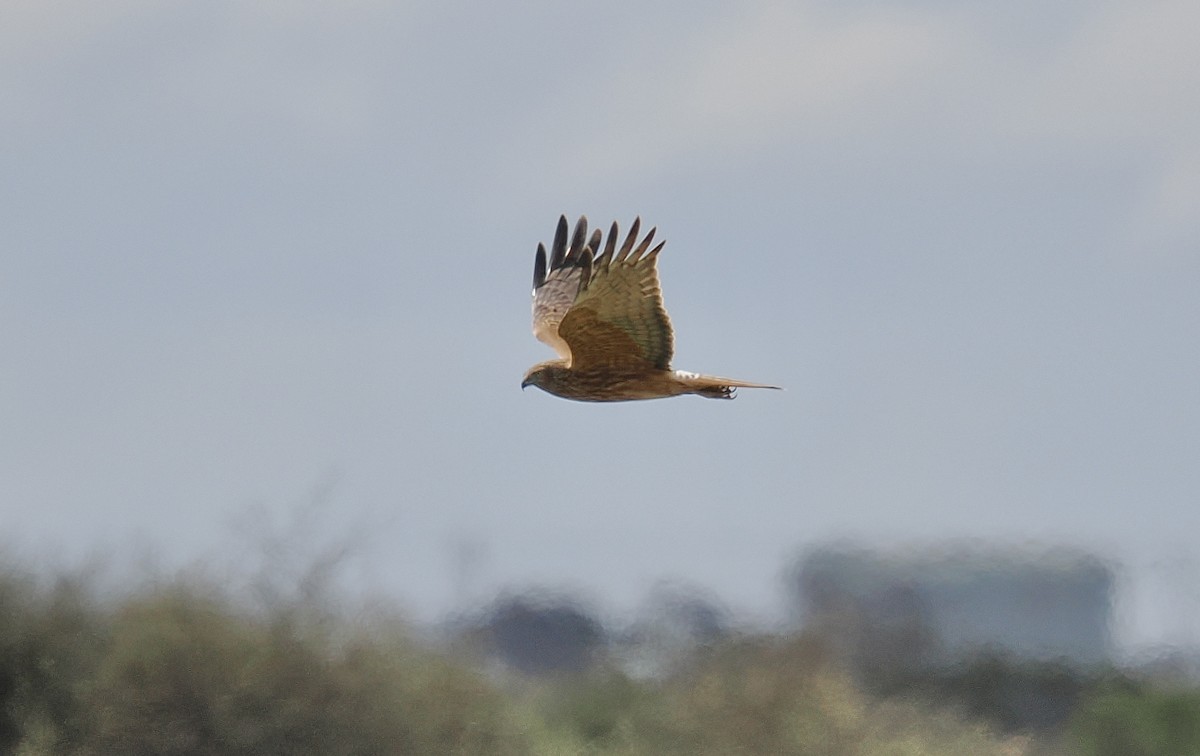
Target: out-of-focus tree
[{"x": 540, "y": 633}]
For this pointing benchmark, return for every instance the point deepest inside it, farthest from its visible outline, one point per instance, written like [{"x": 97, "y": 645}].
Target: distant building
[{"x": 940, "y": 605}]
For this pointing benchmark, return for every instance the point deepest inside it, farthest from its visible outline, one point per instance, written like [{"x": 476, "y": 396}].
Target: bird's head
[
  {"x": 533, "y": 377},
  {"x": 542, "y": 374}
]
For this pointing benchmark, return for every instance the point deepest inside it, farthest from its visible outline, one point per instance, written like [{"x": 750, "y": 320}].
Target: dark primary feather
[
  {"x": 585, "y": 268},
  {"x": 630, "y": 239},
  {"x": 539, "y": 266},
  {"x": 559, "y": 249},
  {"x": 641, "y": 248},
  {"x": 605, "y": 258},
  {"x": 578, "y": 241},
  {"x": 576, "y": 258}
]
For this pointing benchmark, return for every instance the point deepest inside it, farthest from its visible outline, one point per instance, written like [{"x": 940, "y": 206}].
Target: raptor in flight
[{"x": 603, "y": 314}]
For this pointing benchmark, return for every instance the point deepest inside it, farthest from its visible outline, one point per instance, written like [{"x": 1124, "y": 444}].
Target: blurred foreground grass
[{"x": 182, "y": 667}]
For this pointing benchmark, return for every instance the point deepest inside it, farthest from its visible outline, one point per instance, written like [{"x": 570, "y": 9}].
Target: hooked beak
[{"x": 524, "y": 384}]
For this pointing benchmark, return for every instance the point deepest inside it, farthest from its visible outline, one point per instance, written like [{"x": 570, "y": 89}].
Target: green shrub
[
  {"x": 753, "y": 696},
  {"x": 49, "y": 643},
  {"x": 186, "y": 675},
  {"x": 1137, "y": 720}
]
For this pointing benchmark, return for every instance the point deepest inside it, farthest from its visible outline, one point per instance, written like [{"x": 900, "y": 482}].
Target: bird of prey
[{"x": 603, "y": 314}]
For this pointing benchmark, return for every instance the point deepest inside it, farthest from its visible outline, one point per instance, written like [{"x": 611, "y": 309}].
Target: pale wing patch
[
  {"x": 556, "y": 278},
  {"x": 551, "y": 301}
]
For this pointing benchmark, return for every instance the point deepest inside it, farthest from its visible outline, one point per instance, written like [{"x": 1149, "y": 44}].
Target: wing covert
[
  {"x": 619, "y": 317},
  {"x": 604, "y": 309}
]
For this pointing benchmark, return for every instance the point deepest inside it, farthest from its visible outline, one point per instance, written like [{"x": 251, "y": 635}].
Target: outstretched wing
[
  {"x": 556, "y": 281},
  {"x": 606, "y": 309}
]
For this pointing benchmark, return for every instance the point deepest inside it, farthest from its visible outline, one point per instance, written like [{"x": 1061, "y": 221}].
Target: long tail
[{"x": 714, "y": 387}]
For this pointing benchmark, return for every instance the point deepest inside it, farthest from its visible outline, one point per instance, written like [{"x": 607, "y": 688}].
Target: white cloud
[
  {"x": 787, "y": 67},
  {"x": 315, "y": 72},
  {"x": 780, "y": 72},
  {"x": 1127, "y": 86},
  {"x": 1166, "y": 216},
  {"x": 38, "y": 30},
  {"x": 1118, "y": 85},
  {"x": 1130, "y": 73}
]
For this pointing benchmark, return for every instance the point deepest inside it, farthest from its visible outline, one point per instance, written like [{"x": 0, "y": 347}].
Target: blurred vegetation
[
  {"x": 1124, "y": 719},
  {"x": 183, "y": 667}
]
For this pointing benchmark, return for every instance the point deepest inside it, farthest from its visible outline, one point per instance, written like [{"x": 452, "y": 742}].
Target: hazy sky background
[{"x": 257, "y": 254}]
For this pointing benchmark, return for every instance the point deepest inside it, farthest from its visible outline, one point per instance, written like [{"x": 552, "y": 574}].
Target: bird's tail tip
[{"x": 715, "y": 387}]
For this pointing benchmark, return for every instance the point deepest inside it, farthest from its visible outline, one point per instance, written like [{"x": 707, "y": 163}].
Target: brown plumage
[{"x": 604, "y": 316}]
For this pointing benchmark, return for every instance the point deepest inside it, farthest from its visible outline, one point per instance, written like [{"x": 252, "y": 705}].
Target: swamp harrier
[{"x": 603, "y": 313}]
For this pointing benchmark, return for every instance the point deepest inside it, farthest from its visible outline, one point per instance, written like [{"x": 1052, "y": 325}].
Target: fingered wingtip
[
  {"x": 539, "y": 266},
  {"x": 558, "y": 250}
]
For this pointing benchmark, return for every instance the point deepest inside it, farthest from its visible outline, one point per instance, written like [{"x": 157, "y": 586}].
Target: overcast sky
[{"x": 259, "y": 254}]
